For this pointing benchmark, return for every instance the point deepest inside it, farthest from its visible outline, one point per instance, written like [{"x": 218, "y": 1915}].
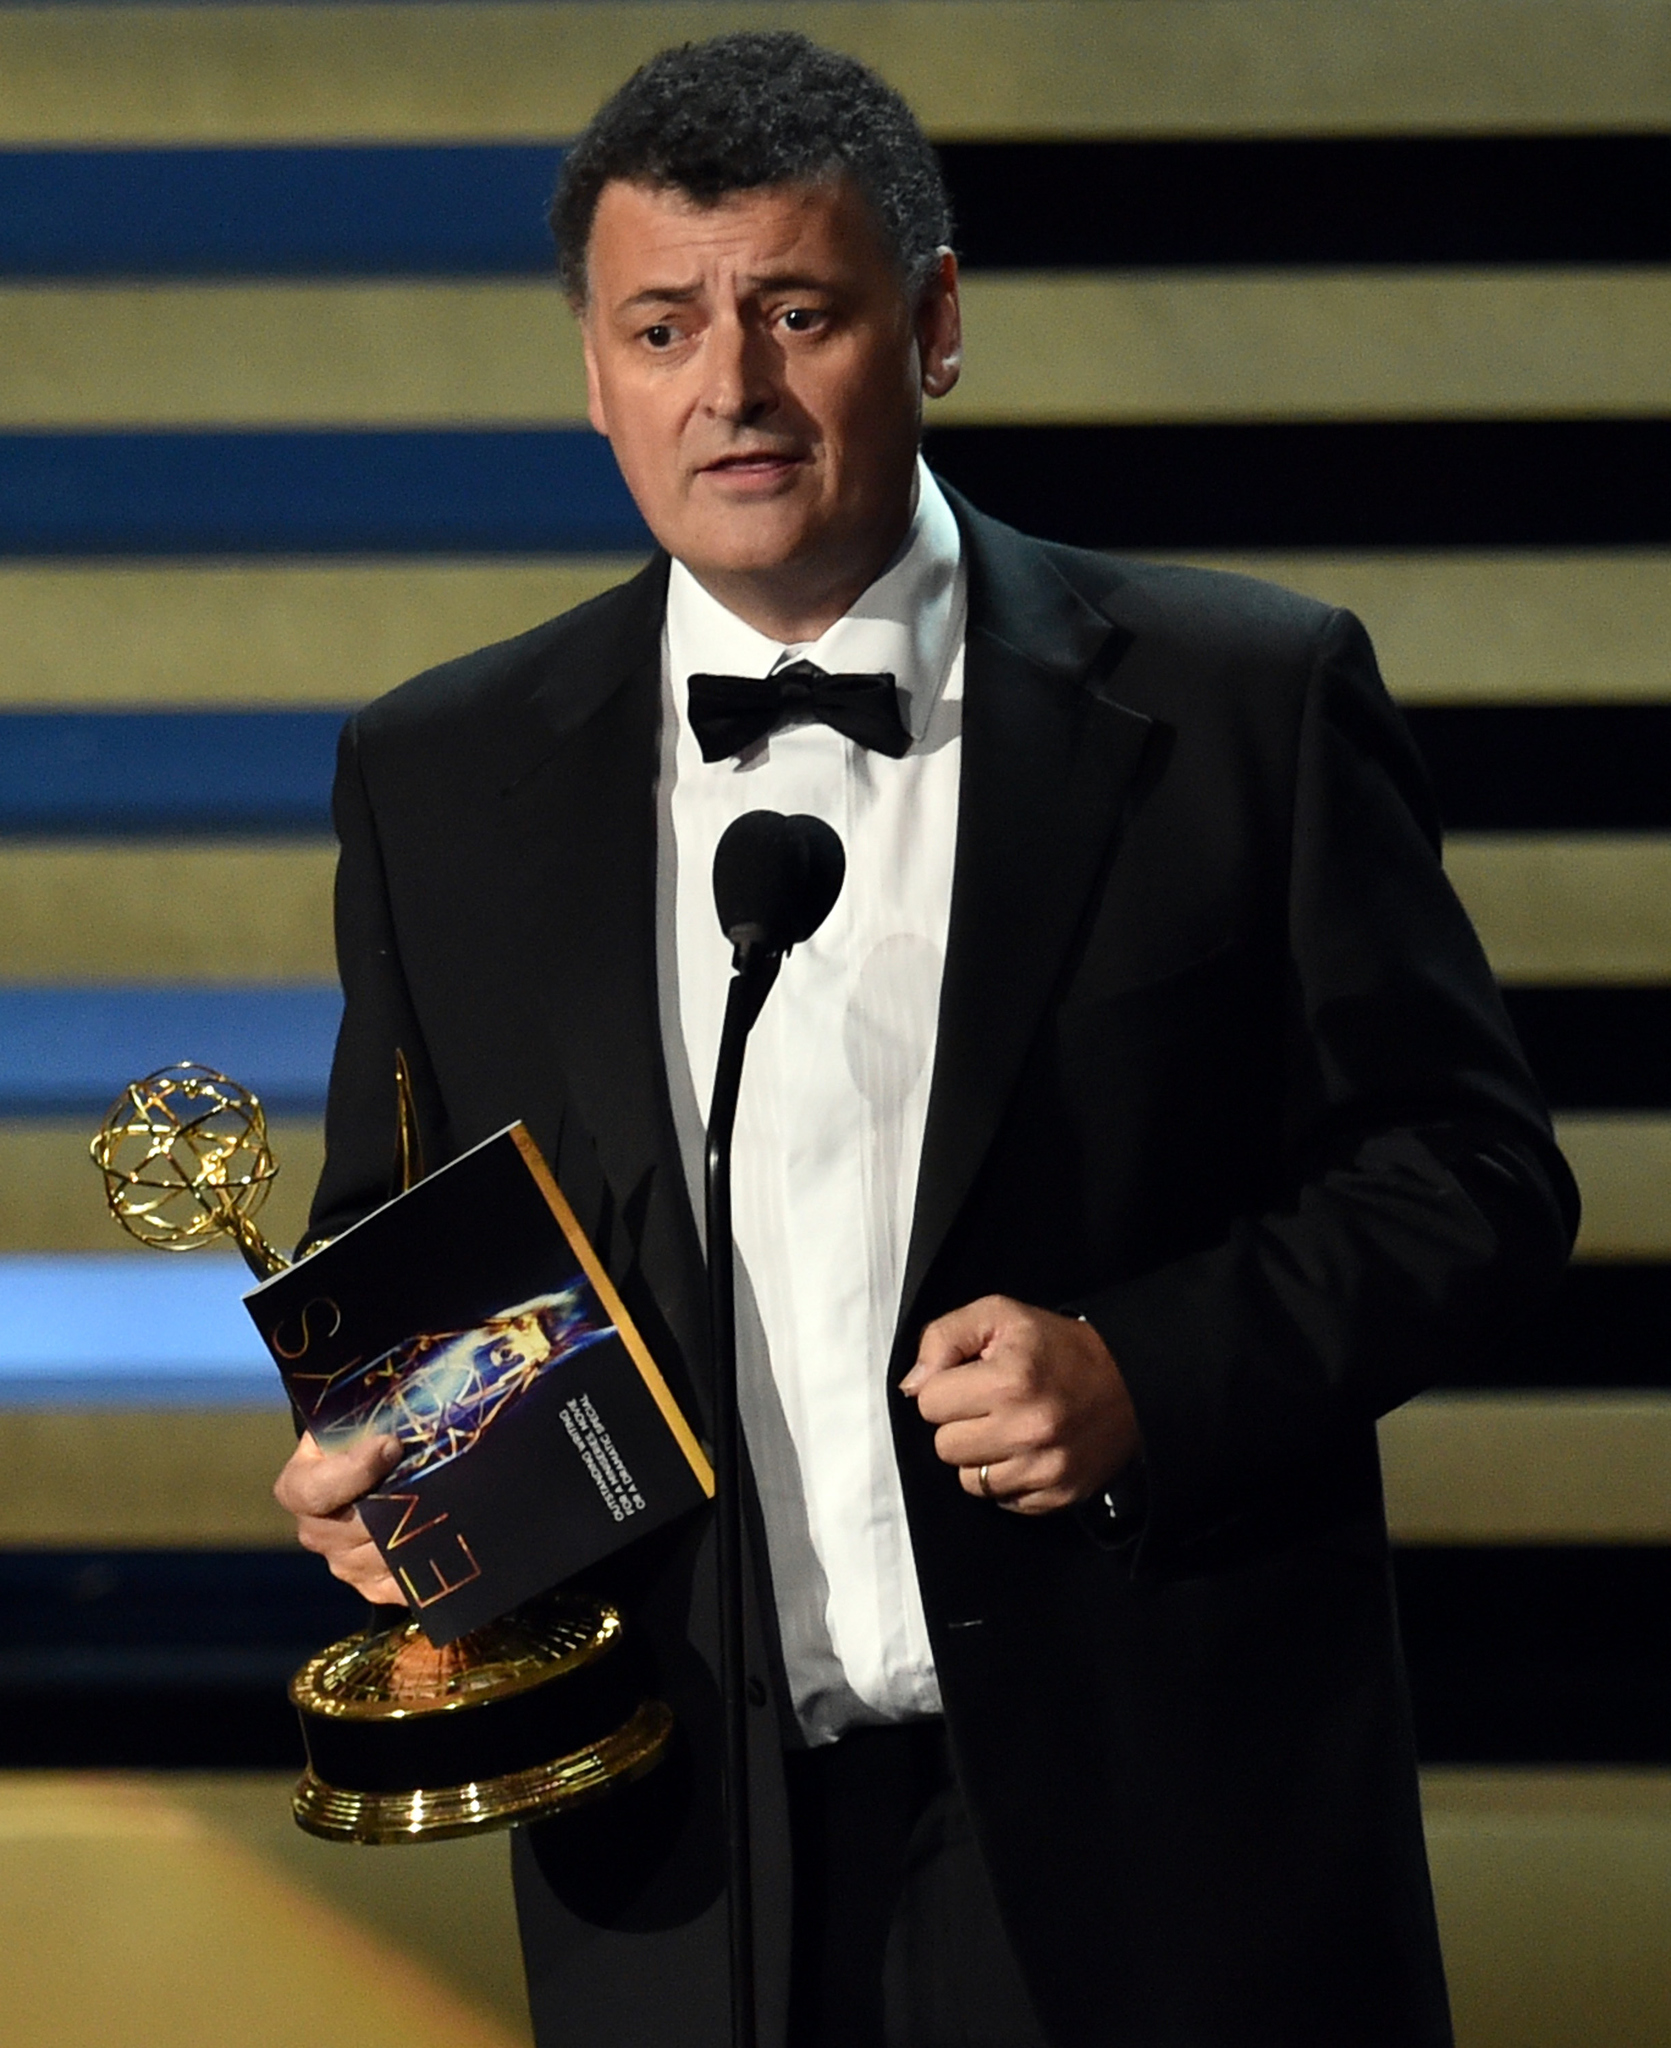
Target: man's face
[{"x": 760, "y": 374}]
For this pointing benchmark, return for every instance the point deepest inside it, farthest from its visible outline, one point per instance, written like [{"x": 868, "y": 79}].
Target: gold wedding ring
[{"x": 985, "y": 1483}]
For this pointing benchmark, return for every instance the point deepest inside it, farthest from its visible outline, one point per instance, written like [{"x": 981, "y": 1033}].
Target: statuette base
[{"x": 437, "y": 1812}]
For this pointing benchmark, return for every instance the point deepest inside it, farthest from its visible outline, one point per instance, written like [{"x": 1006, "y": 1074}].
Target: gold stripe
[
  {"x": 970, "y": 67},
  {"x": 141, "y": 1934},
  {"x": 1552, "y": 907},
  {"x": 251, "y": 633},
  {"x": 1481, "y": 628},
  {"x": 1418, "y": 344},
  {"x": 1553, "y": 1891},
  {"x": 164, "y": 1477},
  {"x": 1622, "y": 1163},
  {"x": 331, "y": 355},
  {"x": 1529, "y": 1468},
  {"x": 1039, "y": 349},
  {"x": 124, "y": 912},
  {"x": 1459, "y": 1468},
  {"x": 1451, "y": 1791},
  {"x": 1450, "y": 628},
  {"x": 51, "y": 1201}
]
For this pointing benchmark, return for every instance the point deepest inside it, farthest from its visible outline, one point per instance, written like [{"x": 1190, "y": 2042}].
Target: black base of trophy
[{"x": 523, "y": 1718}]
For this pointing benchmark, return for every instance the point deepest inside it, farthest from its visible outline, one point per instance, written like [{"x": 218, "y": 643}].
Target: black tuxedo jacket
[{"x": 1221, "y": 1066}]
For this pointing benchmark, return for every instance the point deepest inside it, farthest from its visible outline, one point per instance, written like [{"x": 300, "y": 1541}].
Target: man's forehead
[
  {"x": 641, "y": 228},
  {"x": 676, "y": 200}
]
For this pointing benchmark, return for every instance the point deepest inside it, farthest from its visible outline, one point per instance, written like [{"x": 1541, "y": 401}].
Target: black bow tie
[{"x": 729, "y": 713}]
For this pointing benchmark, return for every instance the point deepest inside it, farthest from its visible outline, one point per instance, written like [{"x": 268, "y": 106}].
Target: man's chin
[{"x": 760, "y": 540}]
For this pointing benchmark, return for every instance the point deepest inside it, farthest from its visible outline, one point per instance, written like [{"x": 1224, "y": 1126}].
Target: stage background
[{"x": 1371, "y": 296}]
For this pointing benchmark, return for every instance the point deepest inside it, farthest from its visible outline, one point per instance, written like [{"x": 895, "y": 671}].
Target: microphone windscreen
[{"x": 776, "y": 879}]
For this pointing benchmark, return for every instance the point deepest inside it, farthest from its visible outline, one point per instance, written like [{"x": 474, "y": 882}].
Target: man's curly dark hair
[{"x": 741, "y": 112}]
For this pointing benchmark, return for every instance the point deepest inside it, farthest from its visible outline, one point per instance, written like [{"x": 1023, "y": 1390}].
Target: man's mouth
[{"x": 754, "y": 463}]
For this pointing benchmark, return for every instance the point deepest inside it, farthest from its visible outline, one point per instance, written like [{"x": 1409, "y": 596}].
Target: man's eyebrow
[
  {"x": 764, "y": 280},
  {"x": 661, "y": 295},
  {"x": 790, "y": 281}
]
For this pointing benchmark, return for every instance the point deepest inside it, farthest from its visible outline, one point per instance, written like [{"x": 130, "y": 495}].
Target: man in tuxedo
[{"x": 1141, "y": 1125}]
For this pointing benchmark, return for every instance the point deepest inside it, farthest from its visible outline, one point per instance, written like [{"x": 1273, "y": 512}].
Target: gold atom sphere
[{"x": 185, "y": 1158}]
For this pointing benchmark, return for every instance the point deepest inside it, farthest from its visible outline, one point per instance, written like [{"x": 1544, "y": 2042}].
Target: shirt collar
[{"x": 908, "y": 624}]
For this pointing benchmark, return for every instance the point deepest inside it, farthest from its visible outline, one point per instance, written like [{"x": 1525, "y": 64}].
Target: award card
[{"x": 470, "y": 1318}]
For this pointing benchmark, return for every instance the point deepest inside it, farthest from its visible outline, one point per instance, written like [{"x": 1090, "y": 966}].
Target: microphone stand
[{"x": 756, "y": 970}]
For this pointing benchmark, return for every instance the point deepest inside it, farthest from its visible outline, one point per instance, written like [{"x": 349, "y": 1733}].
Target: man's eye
[
  {"x": 801, "y": 319},
  {"x": 660, "y": 335}
]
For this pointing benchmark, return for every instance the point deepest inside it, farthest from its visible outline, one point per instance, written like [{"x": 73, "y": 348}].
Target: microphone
[{"x": 776, "y": 879}]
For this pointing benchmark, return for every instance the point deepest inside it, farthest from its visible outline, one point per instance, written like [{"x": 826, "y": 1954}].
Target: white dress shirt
[{"x": 834, "y": 1097}]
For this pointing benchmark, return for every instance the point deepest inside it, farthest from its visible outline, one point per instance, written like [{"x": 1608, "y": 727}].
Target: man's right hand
[{"x": 320, "y": 1488}]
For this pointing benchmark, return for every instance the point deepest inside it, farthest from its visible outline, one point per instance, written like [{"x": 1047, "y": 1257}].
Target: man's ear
[
  {"x": 940, "y": 328},
  {"x": 594, "y": 393}
]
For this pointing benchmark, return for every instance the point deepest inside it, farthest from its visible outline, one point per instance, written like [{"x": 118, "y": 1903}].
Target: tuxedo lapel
[
  {"x": 580, "y": 815},
  {"x": 1048, "y": 754}
]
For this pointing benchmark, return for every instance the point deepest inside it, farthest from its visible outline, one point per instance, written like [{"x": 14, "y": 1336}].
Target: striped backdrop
[{"x": 1370, "y": 296}]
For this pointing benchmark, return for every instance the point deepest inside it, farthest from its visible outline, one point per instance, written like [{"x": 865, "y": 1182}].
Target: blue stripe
[
  {"x": 553, "y": 490},
  {"x": 83, "y": 1330},
  {"x": 453, "y": 210},
  {"x": 179, "y": 772},
  {"x": 71, "y": 1051}
]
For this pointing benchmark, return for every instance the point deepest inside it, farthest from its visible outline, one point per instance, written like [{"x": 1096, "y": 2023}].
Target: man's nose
[{"x": 742, "y": 372}]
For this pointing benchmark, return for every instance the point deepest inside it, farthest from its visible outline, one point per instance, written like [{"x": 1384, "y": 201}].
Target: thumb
[
  {"x": 953, "y": 1339},
  {"x": 320, "y": 1482}
]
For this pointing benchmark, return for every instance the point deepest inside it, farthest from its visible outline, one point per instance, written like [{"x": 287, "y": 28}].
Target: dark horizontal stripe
[
  {"x": 1539, "y": 1655},
  {"x": 70, "y": 1051},
  {"x": 1418, "y": 483},
  {"x": 371, "y": 492},
  {"x": 142, "y": 1669},
  {"x": 444, "y": 210},
  {"x": 1597, "y": 1048},
  {"x": 1428, "y": 199},
  {"x": 1398, "y": 484},
  {"x": 153, "y": 1603},
  {"x": 1516, "y": 1656},
  {"x": 471, "y": 209},
  {"x": 178, "y": 772},
  {"x": 1515, "y": 768},
  {"x": 1607, "y": 1327},
  {"x": 134, "y": 1659},
  {"x": 1549, "y": 767},
  {"x": 154, "y": 1727}
]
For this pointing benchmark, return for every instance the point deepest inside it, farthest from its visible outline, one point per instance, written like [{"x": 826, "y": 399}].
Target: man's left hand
[{"x": 1033, "y": 1400}]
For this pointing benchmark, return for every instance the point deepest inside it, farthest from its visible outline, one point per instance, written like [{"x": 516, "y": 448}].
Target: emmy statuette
[{"x": 406, "y": 1742}]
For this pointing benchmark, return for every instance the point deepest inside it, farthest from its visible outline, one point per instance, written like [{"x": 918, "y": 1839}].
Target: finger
[
  {"x": 953, "y": 1339},
  {"x": 332, "y": 1535},
  {"x": 982, "y": 1441},
  {"x": 1049, "y": 1502},
  {"x": 964, "y": 1392},
  {"x": 373, "y": 1581},
  {"x": 1000, "y": 1479},
  {"x": 351, "y": 1556},
  {"x": 316, "y": 1482},
  {"x": 1008, "y": 1486},
  {"x": 1024, "y": 1471}
]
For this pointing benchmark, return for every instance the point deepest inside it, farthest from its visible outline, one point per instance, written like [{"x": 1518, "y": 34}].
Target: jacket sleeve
[
  {"x": 378, "y": 1017},
  {"x": 1420, "y": 1209}
]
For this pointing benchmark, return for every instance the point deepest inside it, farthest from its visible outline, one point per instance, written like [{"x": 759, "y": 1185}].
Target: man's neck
[{"x": 791, "y": 620}]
